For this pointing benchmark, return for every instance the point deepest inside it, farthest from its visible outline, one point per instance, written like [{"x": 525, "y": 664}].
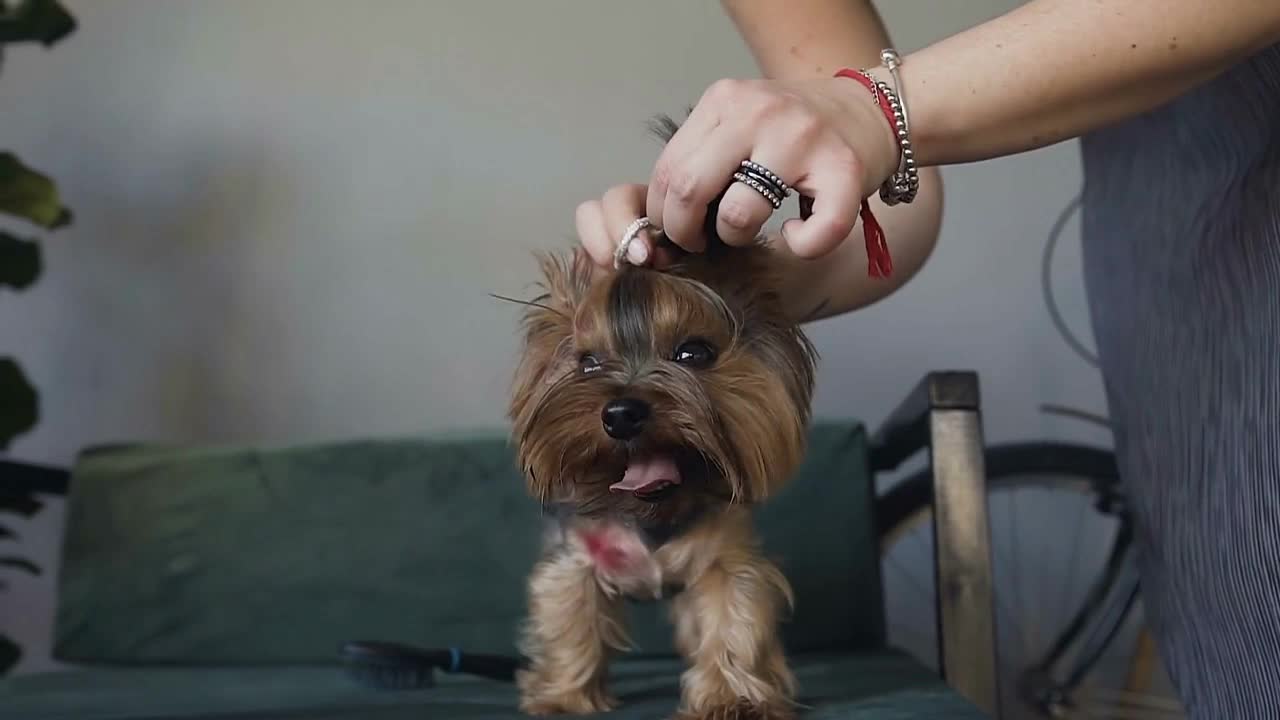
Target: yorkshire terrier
[{"x": 651, "y": 409}]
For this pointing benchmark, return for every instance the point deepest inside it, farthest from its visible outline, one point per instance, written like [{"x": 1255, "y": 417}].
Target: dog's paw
[
  {"x": 740, "y": 710},
  {"x": 536, "y": 698},
  {"x": 579, "y": 703}
]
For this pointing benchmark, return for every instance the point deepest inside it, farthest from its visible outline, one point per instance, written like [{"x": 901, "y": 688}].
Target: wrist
[
  {"x": 891, "y": 152},
  {"x": 901, "y": 183},
  {"x": 923, "y": 117}
]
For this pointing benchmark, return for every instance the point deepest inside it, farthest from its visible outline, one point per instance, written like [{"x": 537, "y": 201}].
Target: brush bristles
[{"x": 390, "y": 675}]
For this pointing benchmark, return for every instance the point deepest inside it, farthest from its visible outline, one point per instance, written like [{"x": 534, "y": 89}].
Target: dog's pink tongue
[{"x": 647, "y": 473}]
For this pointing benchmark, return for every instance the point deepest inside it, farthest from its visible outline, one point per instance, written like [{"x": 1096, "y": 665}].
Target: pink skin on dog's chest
[
  {"x": 620, "y": 555},
  {"x": 604, "y": 551}
]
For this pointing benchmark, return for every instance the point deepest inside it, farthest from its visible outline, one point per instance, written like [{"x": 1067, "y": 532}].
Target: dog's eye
[
  {"x": 588, "y": 362},
  {"x": 695, "y": 353}
]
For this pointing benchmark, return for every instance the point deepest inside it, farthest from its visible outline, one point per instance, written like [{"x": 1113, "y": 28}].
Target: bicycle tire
[
  {"x": 1003, "y": 464},
  {"x": 1088, "y": 470}
]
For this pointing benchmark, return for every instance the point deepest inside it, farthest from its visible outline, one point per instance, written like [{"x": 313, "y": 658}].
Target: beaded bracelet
[{"x": 904, "y": 183}]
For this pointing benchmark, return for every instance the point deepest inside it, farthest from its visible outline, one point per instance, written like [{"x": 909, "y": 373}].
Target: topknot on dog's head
[{"x": 663, "y": 127}]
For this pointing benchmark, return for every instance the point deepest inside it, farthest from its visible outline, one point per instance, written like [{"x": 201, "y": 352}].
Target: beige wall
[{"x": 290, "y": 213}]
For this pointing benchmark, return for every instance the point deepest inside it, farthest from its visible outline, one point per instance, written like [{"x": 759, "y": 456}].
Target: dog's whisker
[
  {"x": 527, "y": 303},
  {"x": 542, "y": 404},
  {"x": 564, "y": 450}
]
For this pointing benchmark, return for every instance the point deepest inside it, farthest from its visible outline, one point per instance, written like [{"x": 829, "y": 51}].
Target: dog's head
[{"x": 645, "y": 392}]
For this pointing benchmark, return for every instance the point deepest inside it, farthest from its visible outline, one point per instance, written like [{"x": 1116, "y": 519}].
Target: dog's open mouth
[{"x": 650, "y": 477}]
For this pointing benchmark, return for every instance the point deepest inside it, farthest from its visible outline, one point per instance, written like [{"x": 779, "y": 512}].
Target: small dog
[{"x": 650, "y": 410}]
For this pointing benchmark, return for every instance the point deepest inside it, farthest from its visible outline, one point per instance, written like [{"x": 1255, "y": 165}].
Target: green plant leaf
[
  {"x": 19, "y": 261},
  {"x": 10, "y": 654},
  {"x": 20, "y": 564},
  {"x": 19, "y": 403},
  {"x": 29, "y": 194},
  {"x": 19, "y": 501},
  {"x": 43, "y": 21}
]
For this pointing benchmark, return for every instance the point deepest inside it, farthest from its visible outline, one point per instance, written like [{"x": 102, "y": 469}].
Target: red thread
[
  {"x": 866, "y": 82},
  {"x": 879, "y": 264}
]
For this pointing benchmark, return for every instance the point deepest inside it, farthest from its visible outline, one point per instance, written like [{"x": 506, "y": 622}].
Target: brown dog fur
[{"x": 739, "y": 425}]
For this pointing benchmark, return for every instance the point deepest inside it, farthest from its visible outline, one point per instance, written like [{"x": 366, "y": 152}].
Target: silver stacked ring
[
  {"x": 764, "y": 181},
  {"x": 754, "y": 168}
]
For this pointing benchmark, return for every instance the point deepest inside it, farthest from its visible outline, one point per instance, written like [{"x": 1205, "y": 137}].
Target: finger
[
  {"x": 621, "y": 205},
  {"x": 744, "y": 210},
  {"x": 701, "y": 121},
  {"x": 741, "y": 214},
  {"x": 837, "y": 196},
  {"x": 593, "y": 233},
  {"x": 697, "y": 180}
]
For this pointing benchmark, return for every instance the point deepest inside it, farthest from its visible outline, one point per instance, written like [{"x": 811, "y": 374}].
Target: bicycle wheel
[{"x": 1069, "y": 628}]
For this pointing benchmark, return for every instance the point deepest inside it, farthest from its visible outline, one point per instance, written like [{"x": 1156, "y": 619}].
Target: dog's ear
[
  {"x": 566, "y": 277},
  {"x": 548, "y": 321},
  {"x": 547, "y": 351}
]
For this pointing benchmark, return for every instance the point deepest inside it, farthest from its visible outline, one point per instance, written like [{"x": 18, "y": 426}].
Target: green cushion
[
  {"x": 242, "y": 555},
  {"x": 872, "y": 685}
]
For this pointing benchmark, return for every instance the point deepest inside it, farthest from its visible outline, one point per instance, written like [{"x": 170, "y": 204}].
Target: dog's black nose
[{"x": 623, "y": 418}]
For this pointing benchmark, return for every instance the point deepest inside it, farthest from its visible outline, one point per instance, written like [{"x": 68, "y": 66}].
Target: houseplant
[{"x": 27, "y": 198}]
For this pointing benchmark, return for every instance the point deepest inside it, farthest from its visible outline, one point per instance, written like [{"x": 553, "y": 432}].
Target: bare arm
[
  {"x": 814, "y": 38},
  {"x": 1049, "y": 71},
  {"x": 1057, "y": 69}
]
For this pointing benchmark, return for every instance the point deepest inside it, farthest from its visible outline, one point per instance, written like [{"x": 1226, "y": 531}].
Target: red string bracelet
[{"x": 879, "y": 264}]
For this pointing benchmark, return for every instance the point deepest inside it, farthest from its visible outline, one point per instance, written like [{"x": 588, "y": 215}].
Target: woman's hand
[{"x": 825, "y": 137}]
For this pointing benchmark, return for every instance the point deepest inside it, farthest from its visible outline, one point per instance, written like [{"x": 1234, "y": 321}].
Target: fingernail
[{"x": 638, "y": 251}]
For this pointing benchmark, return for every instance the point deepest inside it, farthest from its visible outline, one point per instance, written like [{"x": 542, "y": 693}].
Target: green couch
[{"x": 219, "y": 582}]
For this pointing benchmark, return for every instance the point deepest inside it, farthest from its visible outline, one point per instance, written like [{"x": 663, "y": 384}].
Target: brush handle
[
  {"x": 494, "y": 667},
  {"x": 452, "y": 660}
]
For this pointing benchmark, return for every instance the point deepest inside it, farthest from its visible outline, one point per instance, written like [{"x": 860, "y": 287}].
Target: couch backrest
[{"x": 250, "y": 556}]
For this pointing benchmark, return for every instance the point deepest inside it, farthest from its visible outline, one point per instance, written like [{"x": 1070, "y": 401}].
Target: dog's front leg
[
  {"x": 571, "y": 630},
  {"x": 727, "y": 625}
]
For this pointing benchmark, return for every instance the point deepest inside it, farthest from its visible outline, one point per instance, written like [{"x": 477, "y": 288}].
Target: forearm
[
  {"x": 808, "y": 38},
  {"x": 1052, "y": 70},
  {"x": 803, "y": 38}
]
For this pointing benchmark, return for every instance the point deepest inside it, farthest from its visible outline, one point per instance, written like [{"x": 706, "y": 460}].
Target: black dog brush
[{"x": 391, "y": 666}]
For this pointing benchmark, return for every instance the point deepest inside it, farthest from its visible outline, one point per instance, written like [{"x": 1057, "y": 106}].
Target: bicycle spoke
[
  {"x": 914, "y": 553},
  {"x": 922, "y": 598},
  {"x": 923, "y": 588},
  {"x": 1069, "y": 577},
  {"x": 1018, "y": 635},
  {"x": 914, "y": 637},
  {"x": 1013, "y": 568},
  {"x": 1028, "y": 641},
  {"x": 1002, "y": 605}
]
